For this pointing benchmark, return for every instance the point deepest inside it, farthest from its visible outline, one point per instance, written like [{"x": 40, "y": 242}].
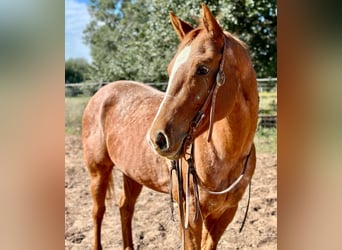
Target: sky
[{"x": 76, "y": 20}]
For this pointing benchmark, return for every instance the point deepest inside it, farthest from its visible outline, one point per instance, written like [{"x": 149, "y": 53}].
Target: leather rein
[{"x": 176, "y": 165}]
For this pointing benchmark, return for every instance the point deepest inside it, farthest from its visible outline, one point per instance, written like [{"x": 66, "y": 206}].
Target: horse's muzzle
[{"x": 160, "y": 142}]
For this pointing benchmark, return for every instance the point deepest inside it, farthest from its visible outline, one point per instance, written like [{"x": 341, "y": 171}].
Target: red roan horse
[{"x": 207, "y": 118}]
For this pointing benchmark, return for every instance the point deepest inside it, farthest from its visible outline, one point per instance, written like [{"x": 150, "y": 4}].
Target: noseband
[{"x": 176, "y": 165}]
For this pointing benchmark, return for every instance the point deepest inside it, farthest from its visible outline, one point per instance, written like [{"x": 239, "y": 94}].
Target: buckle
[{"x": 220, "y": 78}]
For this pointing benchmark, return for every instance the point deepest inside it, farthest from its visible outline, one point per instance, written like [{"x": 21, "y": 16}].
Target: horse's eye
[{"x": 202, "y": 70}]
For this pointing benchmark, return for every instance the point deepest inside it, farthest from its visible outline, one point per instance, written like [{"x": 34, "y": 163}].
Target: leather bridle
[
  {"x": 210, "y": 100},
  {"x": 176, "y": 165}
]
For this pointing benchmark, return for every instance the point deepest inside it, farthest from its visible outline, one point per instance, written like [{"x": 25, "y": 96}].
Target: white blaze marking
[{"x": 182, "y": 57}]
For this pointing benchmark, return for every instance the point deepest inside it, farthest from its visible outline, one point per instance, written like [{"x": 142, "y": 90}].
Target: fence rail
[
  {"x": 259, "y": 80},
  {"x": 267, "y": 88}
]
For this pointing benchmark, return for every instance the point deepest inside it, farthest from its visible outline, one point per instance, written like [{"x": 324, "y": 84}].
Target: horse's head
[{"x": 192, "y": 75}]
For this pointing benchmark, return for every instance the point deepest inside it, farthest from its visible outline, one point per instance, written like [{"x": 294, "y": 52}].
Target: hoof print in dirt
[{"x": 75, "y": 237}]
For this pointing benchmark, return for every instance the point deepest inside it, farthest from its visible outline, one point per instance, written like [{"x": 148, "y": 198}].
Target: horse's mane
[
  {"x": 235, "y": 38},
  {"x": 190, "y": 36}
]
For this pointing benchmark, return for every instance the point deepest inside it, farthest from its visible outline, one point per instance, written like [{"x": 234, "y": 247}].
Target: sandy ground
[{"x": 152, "y": 224}]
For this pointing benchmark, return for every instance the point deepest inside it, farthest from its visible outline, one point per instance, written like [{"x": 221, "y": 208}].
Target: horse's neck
[
  {"x": 231, "y": 140},
  {"x": 221, "y": 146}
]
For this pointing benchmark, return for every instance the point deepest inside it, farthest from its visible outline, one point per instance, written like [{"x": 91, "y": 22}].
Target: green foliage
[
  {"x": 255, "y": 22},
  {"x": 72, "y": 91},
  {"x": 266, "y": 140},
  {"x": 268, "y": 103},
  {"x": 73, "y": 112},
  {"x": 83, "y": 90},
  {"x": 76, "y": 70},
  {"x": 89, "y": 90},
  {"x": 135, "y": 39}
]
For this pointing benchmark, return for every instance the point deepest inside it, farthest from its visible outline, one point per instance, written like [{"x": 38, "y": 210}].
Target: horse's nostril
[{"x": 161, "y": 141}]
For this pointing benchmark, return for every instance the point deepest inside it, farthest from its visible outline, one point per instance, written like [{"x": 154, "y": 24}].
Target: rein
[{"x": 176, "y": 165}]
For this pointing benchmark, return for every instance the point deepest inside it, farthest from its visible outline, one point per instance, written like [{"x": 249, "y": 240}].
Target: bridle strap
[
  {"x": 192, "y": 171},
  {"x": 247, "y": 207},
  {"x": 231, "y": 186},
  {"x": 220, "y": 79},
  {"x": 177, "y": 166},
  {"x": 210, "y": 100}
]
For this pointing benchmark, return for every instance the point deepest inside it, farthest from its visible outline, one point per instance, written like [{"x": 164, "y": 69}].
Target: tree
[
  {"x": 76, "y": 70},
  {"x": 135, "y": 40},
  {"x": 254, "y": 22}
]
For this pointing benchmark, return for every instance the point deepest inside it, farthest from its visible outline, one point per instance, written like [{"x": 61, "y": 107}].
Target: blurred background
[
  {"x": 113, "y": 40},
  {"x": 32, "y": 100}
]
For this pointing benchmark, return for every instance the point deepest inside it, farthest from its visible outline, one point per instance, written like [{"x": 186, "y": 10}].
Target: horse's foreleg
[
  {"x": 193, "y": 233},
  {"x": 215, "y": 227},
  {"x": 193, "y": 236},
  {"x": 98, "y": 188},
  {"x": 130, "y": 193}
]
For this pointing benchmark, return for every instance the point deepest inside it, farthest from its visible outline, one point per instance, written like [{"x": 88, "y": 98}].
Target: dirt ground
[{"x": 152, "y": 224}]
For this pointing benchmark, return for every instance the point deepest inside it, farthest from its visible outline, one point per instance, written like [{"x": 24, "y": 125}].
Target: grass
[
  {"x": 265, "y": 138},
  {"x": 73, "y": 112},
  {"x": 268, "y": 103}
]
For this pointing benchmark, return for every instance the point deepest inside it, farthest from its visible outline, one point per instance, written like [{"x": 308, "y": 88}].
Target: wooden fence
[{"x": 267, "y": 88}]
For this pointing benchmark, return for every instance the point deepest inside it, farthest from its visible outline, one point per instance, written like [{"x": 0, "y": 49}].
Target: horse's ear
[
  {"x": 210, "y": 23},
  {"x": 181, "y": 27}
]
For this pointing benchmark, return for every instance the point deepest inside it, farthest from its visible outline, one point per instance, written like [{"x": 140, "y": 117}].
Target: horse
[{"x": 207, "y": 118}]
